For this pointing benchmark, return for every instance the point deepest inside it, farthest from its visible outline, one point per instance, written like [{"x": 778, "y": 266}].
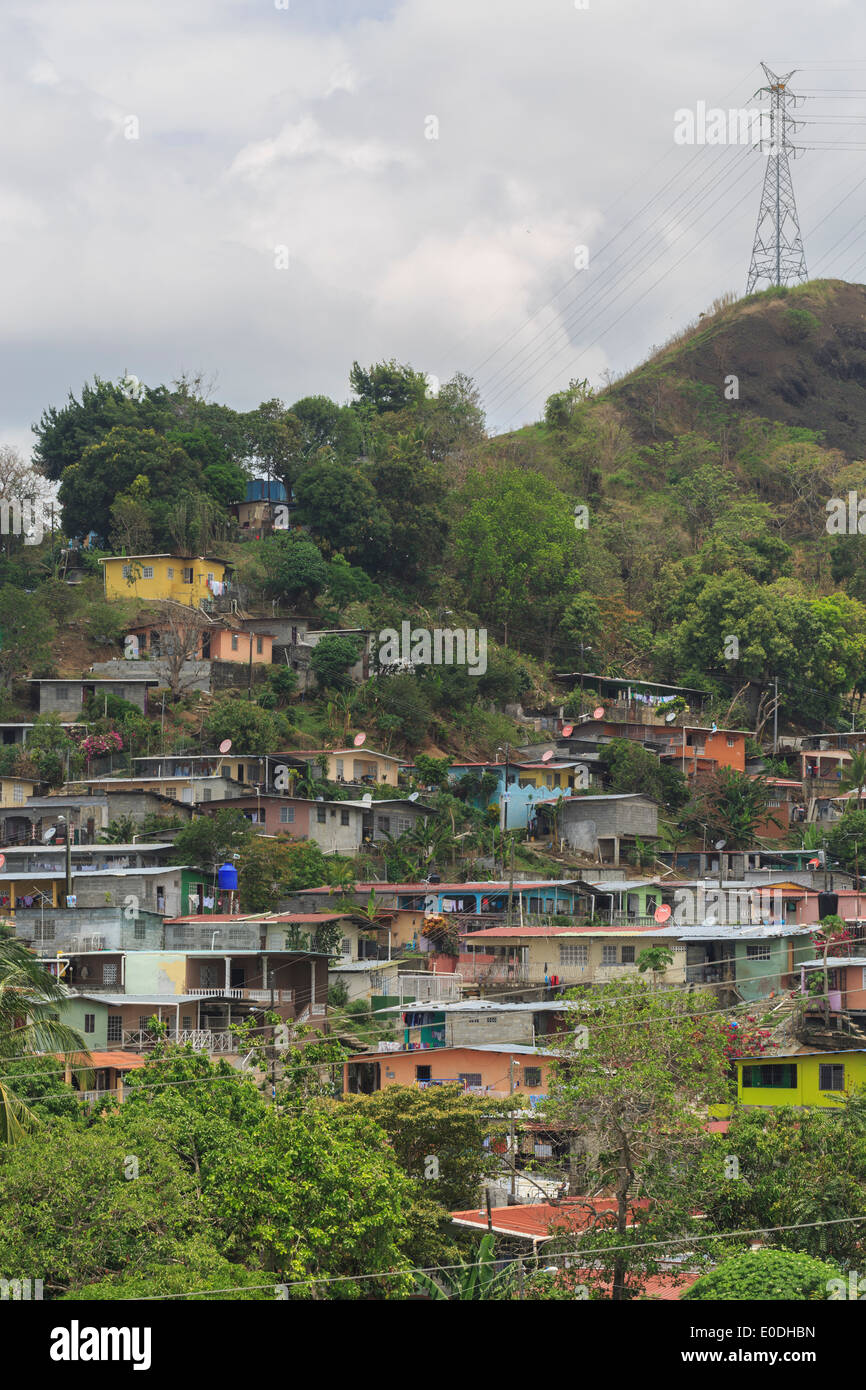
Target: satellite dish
[
  {"x": 720, "y": 844},
  {"x": 669, "y": 718},
  {"x": 598, "y": 712},
  {"x": 662, "y": 913},
  {"x": 366, "y": 799},
  {"x": 413, "y": 796},
  {"x": 709, "y": 922},
  {"x": 2, "y": 860},
  {"x": 359, "y": 739},
  {"x": 546, "y": 757},
  {"x": 567, "y": 730},
  {"x": 813, "y": 864},
  {"x": 225, "y": 746},
  {"x": 49, "y": 835}
]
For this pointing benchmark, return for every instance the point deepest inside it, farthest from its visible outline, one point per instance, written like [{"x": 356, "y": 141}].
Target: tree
[
  {"x": 479, "y": 1281},
  {"x": 332, "y": 659},
  {"x": 293, "y": 567},
  {"x": 630, "y": 1084},
  {"x": 180, "y": 629},
  {"x": 270, "y": 869},
  {"x": 761, "y": 1275},
  {"x": 250, "y": 728},
  {"x": 631, "y": 768},
  {"x": 846, "y": 838},
  {"x": 732, "y": 806},
  {"x": 338, "y": 502},
  {"x": 29, "y": 999},
  {"x": 386, "y": 386},
  {"x": 111, "y": 464},
  {"x": 207, "y": 841},
  {"x": 854, "y": 777},
  {"x": 655, "y": 958},
  {"x": 53, "y": 754},
  {"x": 518, "y": 552},
  {"x": 26, "y": 634}
]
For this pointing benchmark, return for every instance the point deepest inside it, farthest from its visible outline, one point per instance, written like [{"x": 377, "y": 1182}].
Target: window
[
  {"x": 127, "y": 571},
  {"x": 186, "y": 1022},
  {"x": 186, "y": 575},
  {"x": 384, "y": 824},
  {"x": 831, "y": 1076},
  {"x": 532, "y": 1076},
  {"x": 115, "y": 1028},
  {"x": 45, "y": 931},
  {"x": 237, "y": 936},
  {"x": 470, "y": 1078},
  {"x": 404, "y": 824},
  {"x": 90, "y": 1023},
  {"x": 422, "y": 1073},
  {"x": 18, "y": 793},
  {"x": 147, "y": 572},
  {"x": 730, "y": 741},
  {"x": 143, "y": 1020},
  {"x": 234, "y": 642},
  {"x": 139, "y": 931},
  {"x": 206, "y": 794},
  {"x": 287, "y": 815},
  {"x": 260, "y": 646},
  {"x": 344, "y": 817},
  {"x": 170, "y": 572},
  {"x": 779, "y": 1076},
  {"x": 321, "y": 815},
  {"x": 339, "y": 769},
  {"x": 570, "y": 953},
  {"x": 346, "y": 946},
  {"x": 109, "y": 974},
  {"x": 757, "y": 950},
  {"x": 61, "y": 692},
  {"x": 627, "y": 956},
  {"x": 608, "y": 955},
  {"x": 210, "y": 577}
]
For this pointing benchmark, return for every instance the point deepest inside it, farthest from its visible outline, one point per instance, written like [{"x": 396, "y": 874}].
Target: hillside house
[{"x": 189, "y": 579}]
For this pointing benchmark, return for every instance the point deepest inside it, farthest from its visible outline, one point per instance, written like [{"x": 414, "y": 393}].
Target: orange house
[
  {"x": 483, "y": 1070},
  {"x": 219, "y": 641},
  {"x": 700, "y": 750}
]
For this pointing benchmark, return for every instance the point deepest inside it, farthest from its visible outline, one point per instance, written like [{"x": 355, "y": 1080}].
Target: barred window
[
  {"x": 532, "y": 1076},
  {"x": 781, "y": 1076},
  {"x": 608, "y": 955},
  {"x": 831, "y": 1076},
  {"x": 147, "y": 572},
  {"x": 757, "y": 951},
  {"x": 115, "y": 1028},
  {"x": 470, "y": 1078}
]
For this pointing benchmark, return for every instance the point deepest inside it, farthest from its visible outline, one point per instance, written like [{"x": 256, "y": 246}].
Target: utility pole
[
  {"x": 509, "y": 915},
  {"x": 778, "y": 257},
  {"x": 511, "y": 1138},
  {"x": 775, "y": 715}
]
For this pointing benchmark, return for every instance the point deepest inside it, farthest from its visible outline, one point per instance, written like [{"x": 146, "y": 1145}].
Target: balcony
[
  {"x": 258, "y": 996},
  {"x": 202, "y": 1039}
]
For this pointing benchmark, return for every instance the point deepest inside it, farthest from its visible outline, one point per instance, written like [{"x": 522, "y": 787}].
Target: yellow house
[
  {"x": 547, "y": 776},
  {"x": 825, "y": 1079},
  {"x": 356, "y": 765},
  {"x": 186, "y": 578},
  {"x": 14, "y": 791}
]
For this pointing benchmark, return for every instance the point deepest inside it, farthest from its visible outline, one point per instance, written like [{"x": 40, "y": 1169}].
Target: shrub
[{"x": 764, "y": 1275}]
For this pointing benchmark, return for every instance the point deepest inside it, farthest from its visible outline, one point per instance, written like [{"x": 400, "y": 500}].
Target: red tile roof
[{"x": 538, "y": 1220}]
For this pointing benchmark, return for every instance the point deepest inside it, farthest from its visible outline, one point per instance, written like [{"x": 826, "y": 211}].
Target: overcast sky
[{"x": 268, "y": 134}]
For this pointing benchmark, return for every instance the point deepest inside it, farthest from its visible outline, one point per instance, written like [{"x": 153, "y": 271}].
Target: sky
[{"x": 263, "y": 191}]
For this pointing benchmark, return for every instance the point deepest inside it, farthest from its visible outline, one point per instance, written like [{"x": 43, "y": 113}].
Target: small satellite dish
[
  {"x": 598, "y": 712},
  {"x": 546, "y": 757},
  {"x": 2, "y": 860},
  {"x": 662, "y": 913},
  {"x": 49, "y": 835},
  {"x": 359, "y": 739},
  {"x": 813, "y": 864},
  {"x": 709, "y": 922},
  {"x": 715, "y": 728},
  {"x": 413, "y": 796},
  {"x": 225, "y": 746},
  {"x": 720, "y": 844},
  {"x": 669, "y": 718},
  {"x": 567, "y": 730},
  {"x": 366, "y": 799}
]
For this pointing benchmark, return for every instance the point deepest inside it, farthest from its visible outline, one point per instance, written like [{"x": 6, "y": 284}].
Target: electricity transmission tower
[{"x": 777, "y": 253}]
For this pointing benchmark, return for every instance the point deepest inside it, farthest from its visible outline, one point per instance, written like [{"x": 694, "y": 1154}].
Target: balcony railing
[
  {"x": 203, "y": 1039},
  {"x": 264, "y": 996}
]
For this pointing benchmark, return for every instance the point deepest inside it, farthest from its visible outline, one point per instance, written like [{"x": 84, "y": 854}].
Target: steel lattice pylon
[{"x": 777, "y": 253}]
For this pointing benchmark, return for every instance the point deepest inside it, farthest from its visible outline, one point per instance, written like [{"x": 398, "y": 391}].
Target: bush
[
  {"x": 798, "y": 325},
  {"x": 332, "y": 659},
  {"x": 765, "y": 1275}
]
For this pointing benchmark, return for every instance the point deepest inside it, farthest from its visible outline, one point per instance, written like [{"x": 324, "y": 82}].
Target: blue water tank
[{"x": 227, "y": 877}]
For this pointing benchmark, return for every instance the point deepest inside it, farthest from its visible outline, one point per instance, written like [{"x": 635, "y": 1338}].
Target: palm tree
[
  {"x": 29, "y": 999},
  {"x": 854, "y": 778}
]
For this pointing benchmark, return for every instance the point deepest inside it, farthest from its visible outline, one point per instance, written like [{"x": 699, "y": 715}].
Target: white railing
[
  {"x": 312, "y": 1011},
  {"x": 430, "y": 986},
  {"x": 279, "y": 996},
  {"x": 205, "y": 1040}
]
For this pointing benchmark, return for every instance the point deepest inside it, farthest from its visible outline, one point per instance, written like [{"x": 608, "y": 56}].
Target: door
[{"x": 238, "y": 975}]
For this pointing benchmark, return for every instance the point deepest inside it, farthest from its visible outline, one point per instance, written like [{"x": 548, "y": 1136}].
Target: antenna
[
  {"x": 413, "y": 796},
  {"x": 777, "y": 251}
]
